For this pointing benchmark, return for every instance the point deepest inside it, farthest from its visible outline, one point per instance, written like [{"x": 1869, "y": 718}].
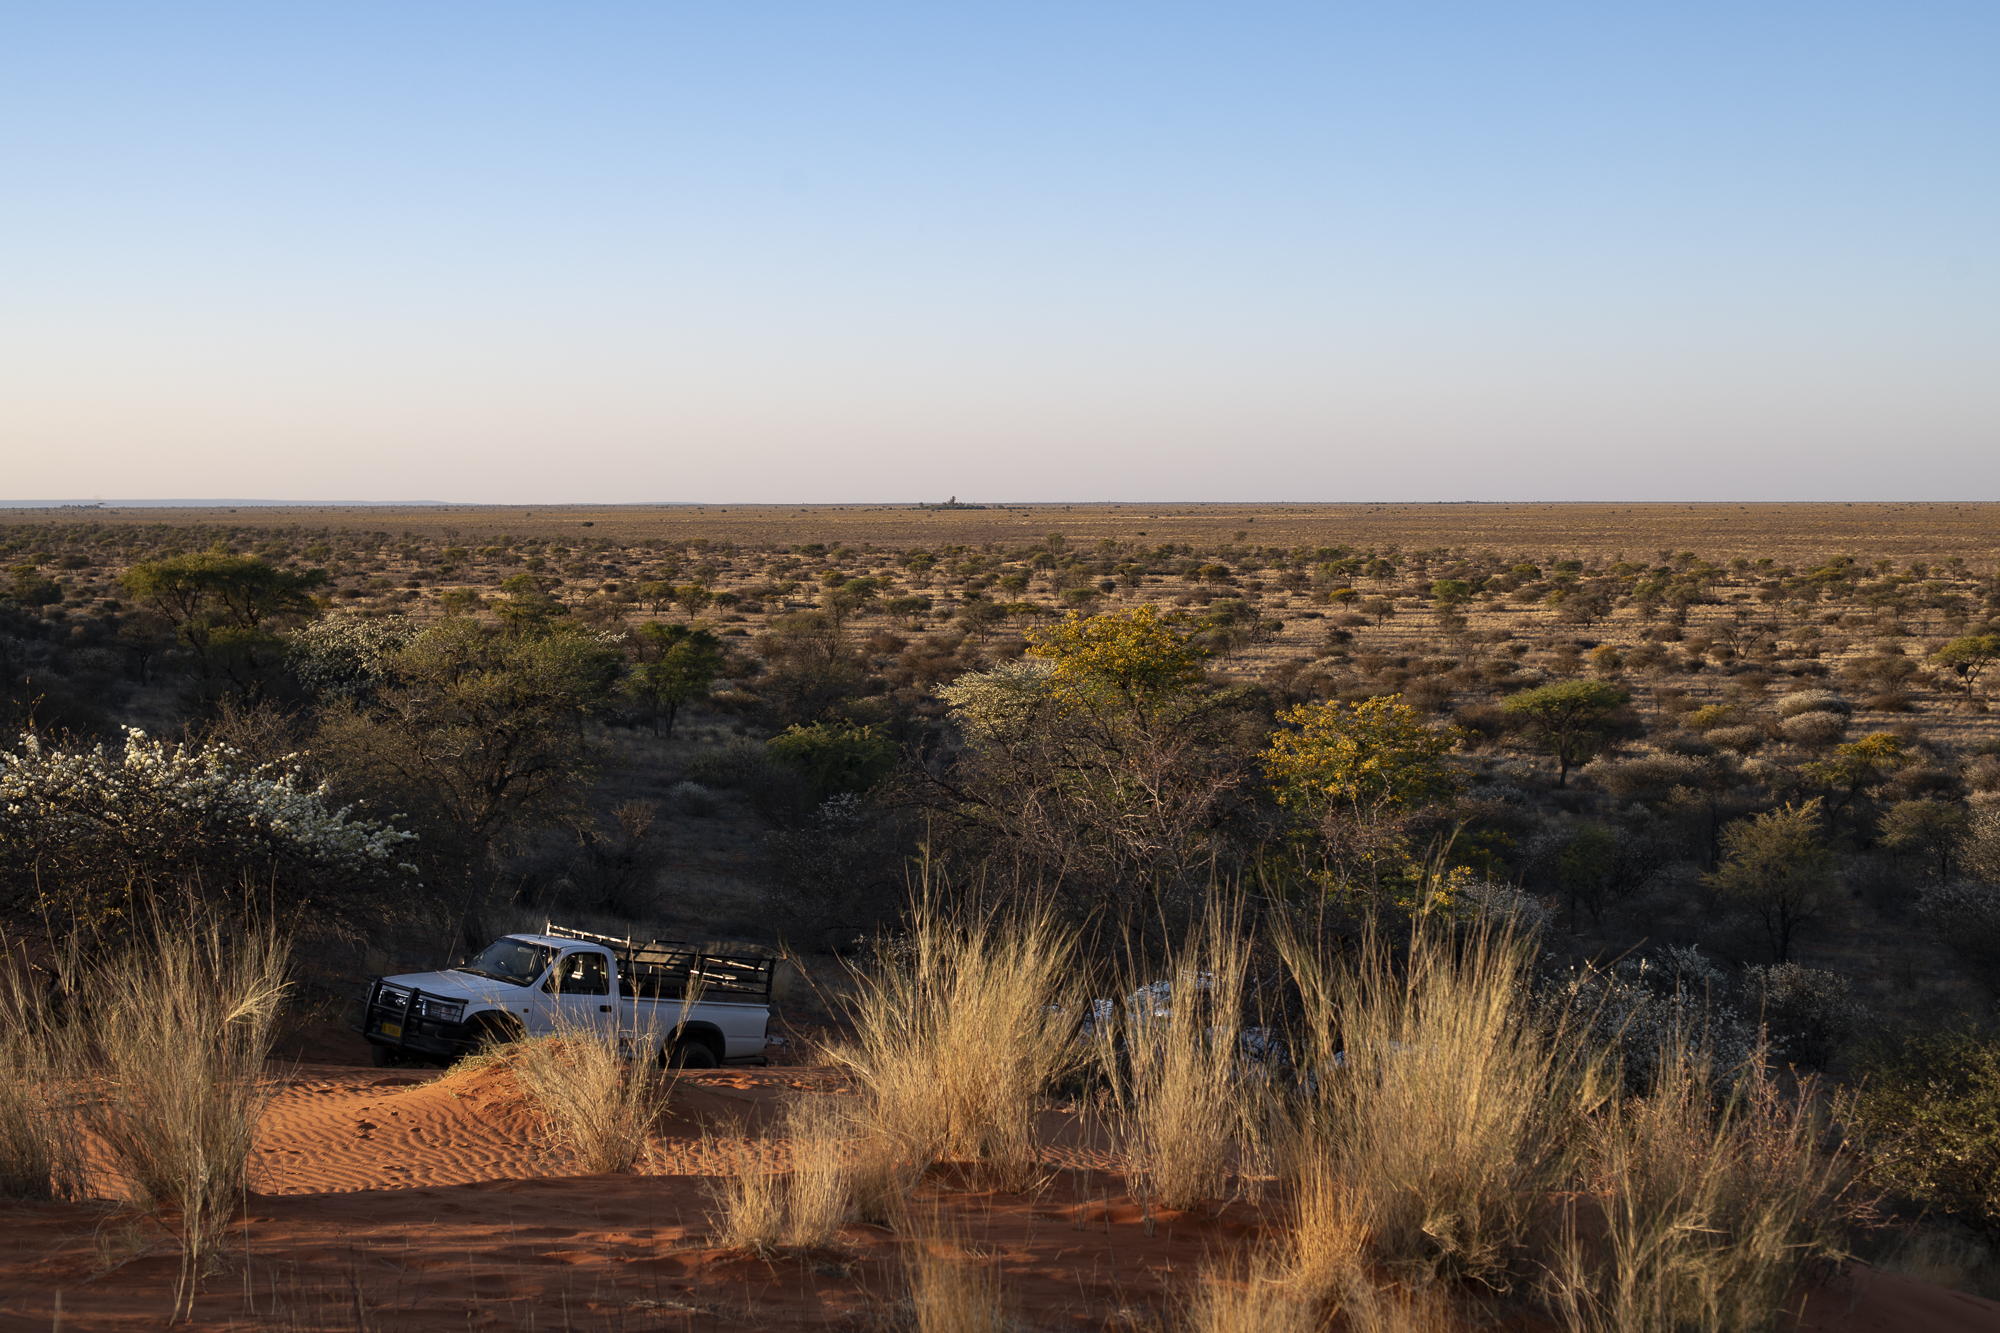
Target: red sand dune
[{"x": 406, "y": 1201}]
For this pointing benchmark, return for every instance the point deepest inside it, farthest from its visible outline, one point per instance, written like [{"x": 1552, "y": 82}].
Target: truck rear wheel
[{"x": 692, "y": 1053}]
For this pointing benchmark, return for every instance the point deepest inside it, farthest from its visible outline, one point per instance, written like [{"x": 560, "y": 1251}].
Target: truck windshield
[{"x": 516, "y": 962}]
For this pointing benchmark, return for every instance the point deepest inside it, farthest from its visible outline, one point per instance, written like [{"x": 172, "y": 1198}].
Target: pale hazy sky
[{"x": 833, "y": 252}]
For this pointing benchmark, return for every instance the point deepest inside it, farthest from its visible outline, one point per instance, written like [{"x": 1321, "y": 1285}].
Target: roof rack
[{"x": 665, "y": 968}]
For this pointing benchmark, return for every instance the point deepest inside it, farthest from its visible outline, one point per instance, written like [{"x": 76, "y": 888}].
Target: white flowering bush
[
  {"x": 1640, "y": 1009},
  {"x": 1501, "y": 904},
  {"x": 1001, "y": 705},
  {"x": 347, "y": 656},
  {"x": 74, "y": 822}
]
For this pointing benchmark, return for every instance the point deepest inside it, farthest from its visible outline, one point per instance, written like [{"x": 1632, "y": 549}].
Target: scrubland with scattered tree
[{"x": 1665, "y": 883}]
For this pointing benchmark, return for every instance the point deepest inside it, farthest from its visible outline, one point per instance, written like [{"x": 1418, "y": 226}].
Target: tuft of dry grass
[
  {"x": 1437, "y": 1115},
  {"x": 803, "y": 1208},
  {"x": 1371, "y": 1309},
  {"x": 1257, "y": 1302},
  {"x": 1701, "y": 1206},
  {"x": 1175, "y": 1065},
  {"x": 600, "y": 1105},
  {"x": 181, "y": 1031},
  {"x": 958, "y": 1034},
  {"x": 949, "y": 1294}
]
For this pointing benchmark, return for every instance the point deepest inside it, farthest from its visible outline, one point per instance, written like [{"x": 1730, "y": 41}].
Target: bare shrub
[
  {"x": 1800, "y": 702},
  {"x": 1815, "y": 730},
  {"x": 181, "y": 1029},
  {"x": 1738, "y": 740},
  {"x": 958, "y": 1031}
]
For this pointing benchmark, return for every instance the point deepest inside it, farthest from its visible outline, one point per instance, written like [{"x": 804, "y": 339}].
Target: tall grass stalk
[
  {"x": 181, "y": 1030},
  {"x": 41, "y": 1146},
  {"x": 957, "y": 1034},
  {"x": 1438, "y": 1115},
  {"x": 1176, "y": 1068},
  {"x": 1701, "y": 1208}
]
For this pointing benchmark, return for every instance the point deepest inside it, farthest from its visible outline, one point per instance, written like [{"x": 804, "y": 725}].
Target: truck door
[{"x": 583, "y": 998}]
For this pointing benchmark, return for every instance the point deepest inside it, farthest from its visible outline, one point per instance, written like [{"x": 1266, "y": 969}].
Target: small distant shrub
[
  {"x": 1814, "y": 730},
  {"x": 1737, "y": 740},
  {"x": 1812, "y": 701},
  {"x": 734, "y": 764},
  {"x": 1685, "y": 743},
  {"x": 1647, "y": 777},
  {"x": 1890, "y": 701},
  {"x": 1710, "y": 717},
  {"x": 691, "y": 798}
]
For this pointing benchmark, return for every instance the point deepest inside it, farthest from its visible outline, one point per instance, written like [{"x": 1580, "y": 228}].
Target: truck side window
[{"x": 586, "y": 974}]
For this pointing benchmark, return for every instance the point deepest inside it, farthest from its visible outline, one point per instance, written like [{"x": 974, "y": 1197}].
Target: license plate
[{"x": 391, "y": 1029}]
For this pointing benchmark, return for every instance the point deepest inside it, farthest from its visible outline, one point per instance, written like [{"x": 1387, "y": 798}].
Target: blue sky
[{"x": 829, "y": 253}]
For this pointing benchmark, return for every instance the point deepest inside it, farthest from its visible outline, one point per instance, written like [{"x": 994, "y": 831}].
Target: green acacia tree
[
  {"x": 477, "y": 732},
  {"x": 676, "y": 663},
  {"x": 1969, "y": 657},
  {"x": 225, "y": 608},
  {"x": 1778, "y": 871},
  {"x": 1571, "y": 719}
]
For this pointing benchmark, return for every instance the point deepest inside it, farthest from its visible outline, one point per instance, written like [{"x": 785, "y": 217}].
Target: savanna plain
[{"x": 1188, "y": 917}]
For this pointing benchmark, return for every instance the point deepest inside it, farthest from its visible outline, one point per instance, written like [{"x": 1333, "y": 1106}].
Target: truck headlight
[{"x": 444, "y": 1011}]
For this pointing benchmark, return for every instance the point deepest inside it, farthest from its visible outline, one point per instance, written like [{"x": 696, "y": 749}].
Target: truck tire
[{"x": 691, "y": 1053}]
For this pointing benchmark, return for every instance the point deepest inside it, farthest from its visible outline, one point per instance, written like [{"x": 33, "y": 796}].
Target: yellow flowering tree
[
  {"x": 1353, "y": 777},
  {"x": 1140, "y": 654},
  {"x": 1376, "y": 752}
]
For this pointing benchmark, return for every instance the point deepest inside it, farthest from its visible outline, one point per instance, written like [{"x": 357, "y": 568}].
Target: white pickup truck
[{"x": 662, "y": 999}]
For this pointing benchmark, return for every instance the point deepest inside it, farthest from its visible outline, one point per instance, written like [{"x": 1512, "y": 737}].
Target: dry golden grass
[
  {"x": 803, "y": 1208},
  {"x": 953, "y": 1294},
  {"x": 1694, "y": 1215},
  {"x": 1256, "y": 1302},
  {"x": 1188, "y": 1113},
  {"x": 1437, "y": 1119},
  {"x": 600, "y": 1105},
  {"x": 178, "y": 1034},
  {"x": 957, "y": 1034}
]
